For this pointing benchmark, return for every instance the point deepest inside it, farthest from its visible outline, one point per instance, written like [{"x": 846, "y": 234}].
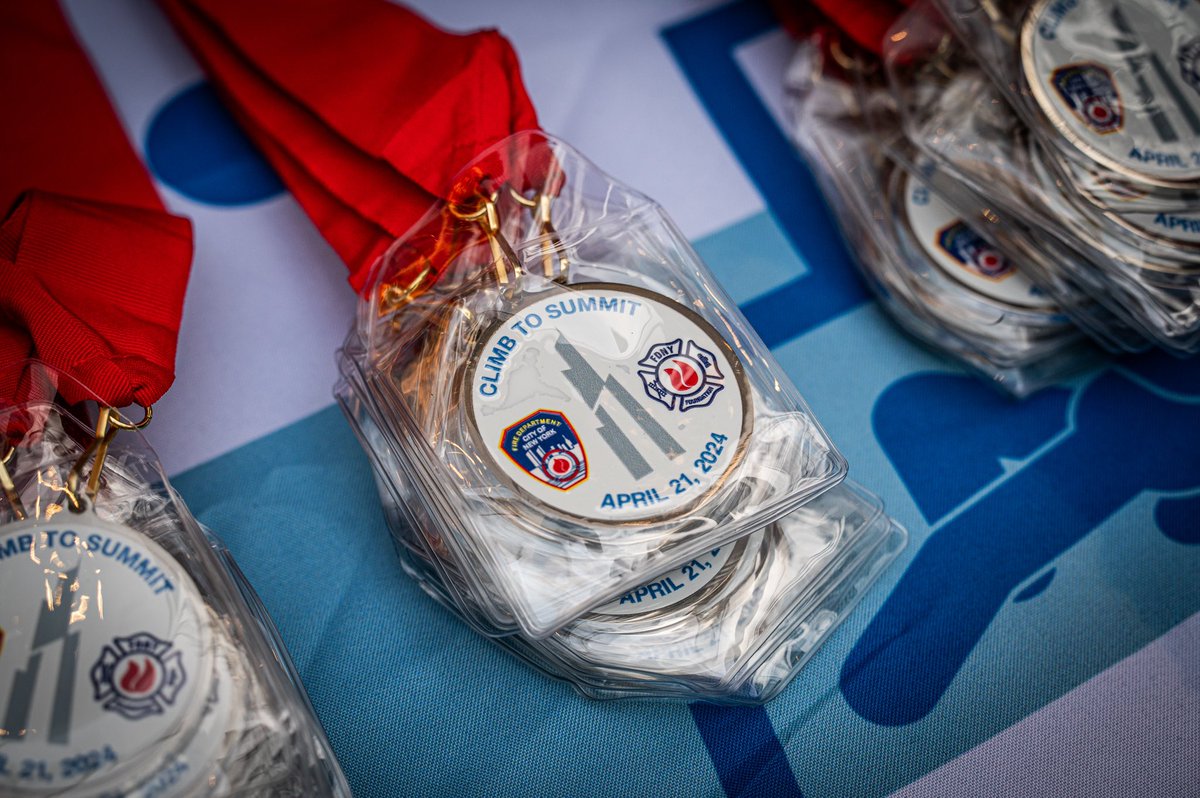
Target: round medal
[
  {"x": 608, "y": 403},
  {"x": 674, "y": 587},
  {"x": 963, "y": 254},
  {"x": 106, "y": 663},
  {"x": 1071, "y": 206},
  {"x": 1120, "y": 80}
]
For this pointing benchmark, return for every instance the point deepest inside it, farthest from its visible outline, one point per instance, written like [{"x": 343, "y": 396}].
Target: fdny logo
[
  {"x": 548, "y": 448},
  {"x": 1091, "y": 93},
  {"x": 1189, "y": 63},
  {"x": 138, "y": 676},
  {"x": 680, "y": 376},
  {"x": 971, "y": 250}
]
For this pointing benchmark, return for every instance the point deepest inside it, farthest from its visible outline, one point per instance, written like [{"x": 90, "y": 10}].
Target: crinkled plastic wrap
[
  {"x": 577, "y": 401},
  {"x": 1078, "y": 124},
  {"x": 934, "y": 267},
  {"x": 136, "y": 659},
  {"x": 732, "y": 625}
]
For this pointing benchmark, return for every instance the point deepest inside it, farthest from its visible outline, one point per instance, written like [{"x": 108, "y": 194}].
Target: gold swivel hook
[
  {"x": 552, "y": 245},
  {"x": 108, "y": 423},
  {"x": 10, "y": 490},
  {"x": 503, "y": 256}
]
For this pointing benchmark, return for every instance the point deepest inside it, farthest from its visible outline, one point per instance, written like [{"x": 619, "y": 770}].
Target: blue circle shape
[{"x": 194, "y": 146}]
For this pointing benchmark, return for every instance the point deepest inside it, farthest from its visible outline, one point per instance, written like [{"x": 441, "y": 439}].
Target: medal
[
  {"x": 1119, "y": 80},
  {"x": 601, "y": 401},
  {"x": 968, "y": 285},
  {"x": 609, "y": 403},
  {"x": 733, "y": 624},
  {"x": 576, "y": 402},
  {"x": 111, "y": 677},
  {"x": 961, "y": 253},
  {"x": 121, "y": 673}
]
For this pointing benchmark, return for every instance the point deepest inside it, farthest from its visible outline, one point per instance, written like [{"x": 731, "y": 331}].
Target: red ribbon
[
  {"x": 366, "y": 110},
  {"x": 93, "y": 269},
  {"x": 866, "y": 22}
]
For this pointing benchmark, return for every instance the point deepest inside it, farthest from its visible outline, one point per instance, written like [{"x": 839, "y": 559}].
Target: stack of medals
[
  {"x": 1077, "y": 126},
  {"x": 134, "y": 659},
  {"x": 587, "y": 454},
  {"x": 920, "y": 241}
]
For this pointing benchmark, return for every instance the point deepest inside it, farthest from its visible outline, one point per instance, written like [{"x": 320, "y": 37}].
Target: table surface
[{"x": 1038, "y": 637}]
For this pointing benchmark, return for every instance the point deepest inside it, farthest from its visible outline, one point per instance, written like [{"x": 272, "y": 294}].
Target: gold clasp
[
  {"x": 502, "y": 252},
  {"x": 552, "y": 246},
  {"x": 10, "y": 490},
  {"x": 393, "y": 296},
  {"x": 108, "y": 423}
]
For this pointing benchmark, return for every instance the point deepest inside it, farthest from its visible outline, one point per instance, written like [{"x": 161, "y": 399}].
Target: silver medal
[
  {"x": 109, "y": 678},
  {"x": 1120, "y": 81}
]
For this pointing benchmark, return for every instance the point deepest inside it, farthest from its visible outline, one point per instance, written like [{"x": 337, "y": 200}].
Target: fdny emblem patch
[
  {"x": 1090, "y": 91},
  {"x": 973, "y": 251},
  {"x": 1189, "y": 63},
  {"x": 681, "y": 376},
  {"x": 548, "y": 448},
  {"x": 138, "y": 676}
]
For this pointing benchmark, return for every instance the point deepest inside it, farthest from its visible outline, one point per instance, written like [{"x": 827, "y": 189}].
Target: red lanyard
[
  {"x": 866, "y": 22},
  {"x": 92, "y": 270},
  {"x": 365, "y": 110}
]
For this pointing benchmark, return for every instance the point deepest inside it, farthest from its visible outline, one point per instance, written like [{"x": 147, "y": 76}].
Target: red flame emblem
[
  {"x": 683, "y": 380},
  {"x": 138, "y": 680}
]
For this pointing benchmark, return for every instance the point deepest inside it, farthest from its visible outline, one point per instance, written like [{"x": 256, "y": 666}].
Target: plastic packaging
[
  {"x": 578, "y": 402},
  {"x": 1072, "y": 122},
  {"x": 136, "y": 659},
  {"x": 935, "y": 268},
  {"x": 731, "y": 625}
]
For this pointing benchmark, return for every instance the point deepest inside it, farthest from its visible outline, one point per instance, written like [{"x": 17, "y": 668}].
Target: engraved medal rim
[
  {"x": 747, "y": 425},
  {"x": 1042, "y": 172},
  {"x": 1116, "y": 217}
]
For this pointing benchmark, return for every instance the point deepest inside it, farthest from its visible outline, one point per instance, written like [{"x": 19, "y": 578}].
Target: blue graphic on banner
[
  {"x": 1179, "y": 519},
  {"x": 1035, "y": 588},
  {"x": 704, "y": 48},
  {"x": 1026, "y": 483},
  {"x": 927, "y": 420},
  {"x": 1125, "y": 438},
  {"x": 194, "y": 146},
  {"x": 745, "y": 751}
]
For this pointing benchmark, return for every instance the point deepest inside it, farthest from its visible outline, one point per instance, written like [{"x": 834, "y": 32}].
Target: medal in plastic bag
[
  {"x": 1111, "y": 235},
  {"x": 582, "y": 406},
  {"x": 1119, "y": 80},
  {"x": 130, "y": 664},
  {"x": 936, "y": 274}
]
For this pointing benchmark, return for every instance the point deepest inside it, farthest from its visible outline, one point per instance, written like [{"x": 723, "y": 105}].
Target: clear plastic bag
[
  {"x": 578, "y": 401},
  {"x": 137, "y": 660},
  {"x": 1066, "y": 170},
  {"x": 933, "y": 266}
]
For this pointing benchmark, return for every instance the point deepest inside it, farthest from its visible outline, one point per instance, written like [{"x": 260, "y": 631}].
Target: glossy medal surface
[
  {"x": 1120, "y": 79},
  {"x": 107, "y": 666},
  {"x": 963, "y": 254},
  {"x": 608, "y": 403}
]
